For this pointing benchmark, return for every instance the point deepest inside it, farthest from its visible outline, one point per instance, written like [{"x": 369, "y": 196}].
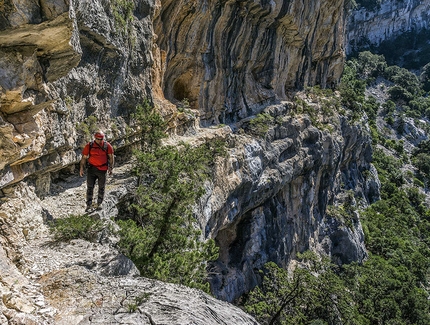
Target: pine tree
[{"x": 162, "y": 236}]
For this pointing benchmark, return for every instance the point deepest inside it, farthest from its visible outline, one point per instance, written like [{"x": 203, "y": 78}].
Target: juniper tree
[
  {"x": 312, "y": 294},
  {"x": 161, "y": 235}
]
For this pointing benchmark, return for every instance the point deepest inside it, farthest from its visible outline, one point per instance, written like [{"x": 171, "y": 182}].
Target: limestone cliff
[
  {"x": 390, "y": 19},
  {"x": 69, "y": 67},
  {"x": 44, "y": 282},
  {"x": 230, "y": 58},
  {"x": 271, "y": 199}
]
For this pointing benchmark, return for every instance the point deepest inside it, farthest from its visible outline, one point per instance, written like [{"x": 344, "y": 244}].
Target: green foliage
[
  {"x": 421, "y": 160},
  {"x": 371, "y": 5},
  {"x": 259, "y": 125},
  {"x": 76, "y": 227},
  {"x": 397, "y": 236},
  {"x": 389, "y": 172},
  {"x": 320, "y": 105},
  {"x": 389, "y": 106},
  {"x": 370, "y": 66},
  {"x": 352, "y": 90},
  {"x": 133, "y": 305},
  {"x": 161, "y": 236},
  {"x": 411, "y": 49},
  {"x": 406, "y": 93},
  {"x": 392, "y": 285},
  {"x": 68, "y": 101},
  {"x": 184, "y": 105},
  {"x": 123, "y": 13},
  {"x": 406, "y": 84},
  {"x": 425, "y": 77},
  {"x": 346, "y": 212},
  {"x": 87, "y": 128},
  {"x": 313, "y": 294},
  {"x": 150, "y": 125}
]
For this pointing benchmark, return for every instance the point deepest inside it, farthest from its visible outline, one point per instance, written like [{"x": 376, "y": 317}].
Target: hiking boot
[
  {"x": 88, "y": 208},
  {"x": 98, "y": 206}
]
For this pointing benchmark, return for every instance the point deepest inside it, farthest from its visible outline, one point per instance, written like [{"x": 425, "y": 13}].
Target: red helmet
[{"x": 99, "y": 135}]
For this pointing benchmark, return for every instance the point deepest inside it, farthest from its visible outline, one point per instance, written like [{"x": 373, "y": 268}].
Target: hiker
[{"x": 99, "y": 155}]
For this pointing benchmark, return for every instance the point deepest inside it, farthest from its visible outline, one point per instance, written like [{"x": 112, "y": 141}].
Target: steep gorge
[{"x": 69, "y": 66}]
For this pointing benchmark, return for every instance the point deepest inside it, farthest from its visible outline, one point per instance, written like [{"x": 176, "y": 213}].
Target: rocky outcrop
[
  {"x": 392, "y": 18},
  {"x": 69, "y": 67},
  {"x": 270, "y": 198},
  {"x": 230, "y": 58},
  {"x": 66, "y": 69}
]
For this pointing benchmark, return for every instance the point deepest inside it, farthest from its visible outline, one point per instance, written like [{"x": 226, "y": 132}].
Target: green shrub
[
  {"x": 370, "y": 65},
  {"x": 76, "y": 227},
  {"x": 425, "y": 77},
  {"x": 313, "y": 294},
  {"x": 371, "y": 5},
  {"x": 389, "y": 107},
  {"x": 87, "y": 128},
  {"x": 392, "y": 285},
  {"x": 123, "y": 13},
  {"x": 158, "y": 231},
  {"x": 259, "y": 125}
]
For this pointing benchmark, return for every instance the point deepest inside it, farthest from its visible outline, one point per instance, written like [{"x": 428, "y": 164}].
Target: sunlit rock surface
[
  {"x": 231, "y": 58},
  {"x": 391, "y": 19},
  {"x": 70, "y": 67}
]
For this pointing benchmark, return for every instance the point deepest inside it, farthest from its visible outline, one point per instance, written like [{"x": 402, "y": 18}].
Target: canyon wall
[
  {"x": 231, "y": 58},
  {"x": 271, "y": 199},
  {"x": 390, "y": 19},
  {"x": 68, "y": 68}
]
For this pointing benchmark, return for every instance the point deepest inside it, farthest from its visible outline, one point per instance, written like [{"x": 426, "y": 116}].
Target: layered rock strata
[
  {"x": 390, "y": 19},
  {"x": 66, "y": 69},
  {"x": 272, "y": 198},
  {"x": 231, "y": 58},
  {"x": 46, "y": 282}
]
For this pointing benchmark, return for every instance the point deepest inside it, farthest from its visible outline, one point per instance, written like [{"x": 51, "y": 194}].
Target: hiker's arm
[
  {"x": 82, "y": 164},
  {"x": 111, "y": 162}
]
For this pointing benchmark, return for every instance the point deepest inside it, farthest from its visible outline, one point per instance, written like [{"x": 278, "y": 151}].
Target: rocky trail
[{"x": 81, "y": 282}]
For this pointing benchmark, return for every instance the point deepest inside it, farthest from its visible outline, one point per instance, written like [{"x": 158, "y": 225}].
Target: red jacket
[{"x": 98, "y": 157}]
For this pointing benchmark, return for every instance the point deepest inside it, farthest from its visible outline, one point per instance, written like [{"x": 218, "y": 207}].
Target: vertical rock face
[
  {"x": 229, "y": 58},
  {"x": 389, "y": 20},
  {"x": 276, "y": 195},
  {"x": 44, "y": 282},
  {"x": 67, "y": 68}
]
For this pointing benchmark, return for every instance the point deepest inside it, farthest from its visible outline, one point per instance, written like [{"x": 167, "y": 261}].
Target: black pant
[{"x": 95, "y": 174}]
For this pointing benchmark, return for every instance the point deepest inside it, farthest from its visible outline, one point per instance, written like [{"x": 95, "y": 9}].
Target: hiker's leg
[
  {"x": 102, "y": 183},
  {"x": 91, "y": 180}
]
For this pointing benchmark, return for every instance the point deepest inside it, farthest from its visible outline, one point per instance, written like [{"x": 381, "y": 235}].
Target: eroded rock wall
[
  {"x": 49, "y": 282},
  {"x": 230, "y": 58},
  {"x": 66, "y": 69},
  {"x": 390, "y": 19},
  {"x": 270, "y": 198}
]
